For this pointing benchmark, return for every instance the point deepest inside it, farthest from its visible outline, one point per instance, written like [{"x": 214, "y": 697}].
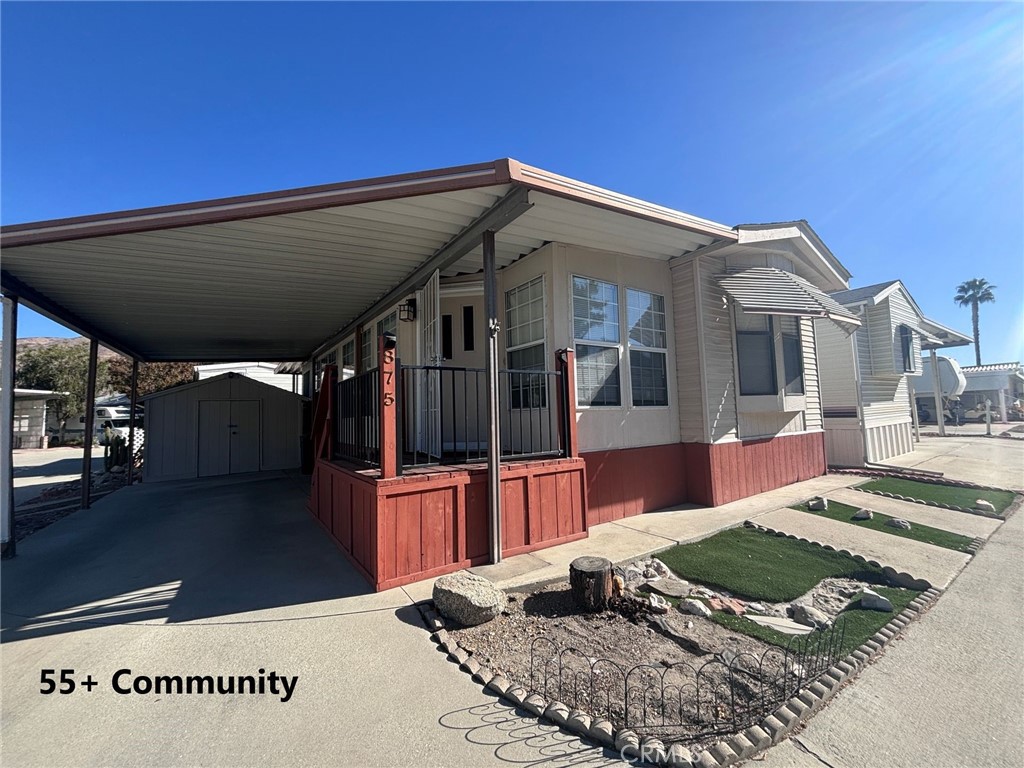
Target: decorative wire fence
[{"x": 685, "y": 701}]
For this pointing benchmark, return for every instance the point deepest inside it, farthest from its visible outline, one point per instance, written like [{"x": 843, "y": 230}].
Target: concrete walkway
[
  {"x": 949, "y": 694},
  {"x": 995, "y": 461},
  {"x": 944, "y": 519},
  {"x": 936, "y": 565}
]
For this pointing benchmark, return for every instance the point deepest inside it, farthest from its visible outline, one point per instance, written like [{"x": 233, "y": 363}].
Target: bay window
[{"x": 769, "y": 354}]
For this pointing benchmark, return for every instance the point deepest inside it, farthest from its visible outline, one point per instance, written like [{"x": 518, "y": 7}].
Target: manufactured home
[
  {"x": 500, "y": 356},
  {"x": 868, "y": 377}
]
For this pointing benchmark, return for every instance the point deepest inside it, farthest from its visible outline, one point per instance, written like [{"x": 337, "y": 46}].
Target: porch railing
[
  {"x": 441, "y": 415},
  {"x": 357, "y": 416}
]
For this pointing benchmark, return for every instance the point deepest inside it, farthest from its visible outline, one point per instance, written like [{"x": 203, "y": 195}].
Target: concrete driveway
[
  {"x": 37, "y": 470},
  {"x": 217, "y": 578}
]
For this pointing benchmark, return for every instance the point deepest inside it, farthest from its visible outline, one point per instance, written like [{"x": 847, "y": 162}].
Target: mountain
[{"x": 35, "y": 342}]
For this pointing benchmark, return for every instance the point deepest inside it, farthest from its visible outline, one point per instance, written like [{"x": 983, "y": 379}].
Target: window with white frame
[
  {"x": 595, "y": 323},
  {"x": 367, "y": 358},
  {"x": 329, "y": 358},
  {"x": 524, "y": 343},
  {"x": 648, "y": 348},
  {"x": 387, "y": 324},
  {"x": 769, "y": 354},
  {"x": 348, "y": 359}
]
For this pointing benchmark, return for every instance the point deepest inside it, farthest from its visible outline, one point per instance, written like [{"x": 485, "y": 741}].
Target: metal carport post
[{"x": 7, "y": 544}]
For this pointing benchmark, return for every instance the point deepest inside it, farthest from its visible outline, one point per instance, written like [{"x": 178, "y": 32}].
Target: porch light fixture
[
  {"x": 390, "y": 340},
  {"x": 407, "y": 311}
]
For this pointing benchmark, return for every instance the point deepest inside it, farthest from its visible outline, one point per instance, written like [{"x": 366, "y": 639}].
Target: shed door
[
  {"x": 214, "y": 437},
  {"x": 229, "y": 437},
  {"x": 245, "y": 436}
]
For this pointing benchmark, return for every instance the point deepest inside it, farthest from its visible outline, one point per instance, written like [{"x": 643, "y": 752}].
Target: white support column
[
  {"x": 1002, "y": 406},
  {"x": 937, "y": 388},
  {"x": 7, "y": 545},
  {"x": 493, "y": 412},
  {"x": 913, "y": 410}
]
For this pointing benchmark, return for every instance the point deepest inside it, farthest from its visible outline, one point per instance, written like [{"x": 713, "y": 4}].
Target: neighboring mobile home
[
  {"x": 868, "y": 376},
  {"x": 1002, "y": 384},
  {"x": 268, "y": 373}
]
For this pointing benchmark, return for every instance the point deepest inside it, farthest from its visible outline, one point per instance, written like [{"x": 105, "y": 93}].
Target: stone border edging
[
  {"x": 899, "y": 578},
  {"x": 939, "y": 504},
  {"x": 769, "y": 731},
  {"x": 910, "y": 474}
]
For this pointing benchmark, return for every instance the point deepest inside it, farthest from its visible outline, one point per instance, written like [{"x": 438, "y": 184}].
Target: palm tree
[{"x": 975, "y": 292}]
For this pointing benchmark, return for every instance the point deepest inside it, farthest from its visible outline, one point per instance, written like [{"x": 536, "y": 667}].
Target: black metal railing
[
  {"x": 442, "y": 415},
  {"x": 723, "y": 694},
  {"x": 357, "y": 419}
]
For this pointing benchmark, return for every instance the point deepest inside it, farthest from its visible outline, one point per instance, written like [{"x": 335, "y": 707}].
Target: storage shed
[{"x": 226, "y": 425}]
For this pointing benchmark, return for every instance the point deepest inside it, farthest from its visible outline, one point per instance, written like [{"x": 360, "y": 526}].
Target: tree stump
[{"x": 590, "y": 580}]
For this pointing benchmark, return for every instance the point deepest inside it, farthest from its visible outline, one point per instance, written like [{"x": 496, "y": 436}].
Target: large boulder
[
  {"x": 468, "y": 599},
  {"x": 863, "y": 514},
  {"x": 984, "y": 506},
  {"x": 695, "y": 607},
  {"x": 895, "y": 522}
]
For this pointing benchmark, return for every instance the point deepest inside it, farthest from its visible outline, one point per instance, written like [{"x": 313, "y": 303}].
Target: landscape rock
[
  {"x": 863, "y": 514},
  {"x": 618, "y": 586},
  {"x": 696, "y": 607},
  {"x": 818, "y": 503},
  {"x": 896, "y": 522},
  {"x": 785, "y": 626},
  {"x": 658, "y": 604},
  {"x": 669, "y": 587},
  {"x": 728, "y": 605},
  {"x": 756, "y": 608},
  {"x": 809, "y": 616},
  {"x": 873, "y": 601},
  {"x": 984, "y": 506},
  {"x": 661, "y": 569},
  {"x": 468, "y": 599}
]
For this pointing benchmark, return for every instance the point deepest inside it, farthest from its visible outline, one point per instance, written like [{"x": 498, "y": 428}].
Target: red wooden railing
[{"x": 323, "y": 415}]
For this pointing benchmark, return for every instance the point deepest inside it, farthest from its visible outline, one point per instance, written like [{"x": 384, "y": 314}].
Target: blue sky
[{"x": 894, "y": 129}]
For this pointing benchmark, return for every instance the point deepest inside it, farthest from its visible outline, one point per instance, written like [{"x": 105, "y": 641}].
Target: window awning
[{"x": 771, "y": 291}]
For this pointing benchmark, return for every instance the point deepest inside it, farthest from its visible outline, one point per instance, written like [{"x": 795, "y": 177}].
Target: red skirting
[
  {"x": 421, "y": 525},
  {"x": 631, "y": 481},
  {"x": 725, "y": 472}
]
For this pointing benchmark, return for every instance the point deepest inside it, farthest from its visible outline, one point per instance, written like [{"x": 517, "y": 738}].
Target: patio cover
[
  {"x": 771, "y": 291},
  {"x": 281, "y": 276}
]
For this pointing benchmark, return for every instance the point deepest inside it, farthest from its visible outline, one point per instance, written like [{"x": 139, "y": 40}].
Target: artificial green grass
[
  {"x": 758, "y": 566},
  {"x": 940, "y": 538},
  {"x": 860, "y": 624},
  {"x": 942, "y": 494}
]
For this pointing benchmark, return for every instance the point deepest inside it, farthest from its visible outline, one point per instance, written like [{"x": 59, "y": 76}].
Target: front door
[{"x": 229, "y": 437}]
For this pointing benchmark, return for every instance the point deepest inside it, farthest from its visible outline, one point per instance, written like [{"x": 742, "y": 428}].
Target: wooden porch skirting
[
  {"x": 434, "y": 521},
  {"x": 631, "y": 481}
]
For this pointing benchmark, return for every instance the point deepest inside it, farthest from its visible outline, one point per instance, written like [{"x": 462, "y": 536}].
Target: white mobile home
[{"x": 868, "y": 376}]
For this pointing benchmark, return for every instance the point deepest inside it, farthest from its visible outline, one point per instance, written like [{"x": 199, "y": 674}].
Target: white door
[
  {"x": 214, "y": 438},
  {"x": 245, "y": 436},
  {"x": 429, "y": 391},
  {"x": 229, "y": 437}
]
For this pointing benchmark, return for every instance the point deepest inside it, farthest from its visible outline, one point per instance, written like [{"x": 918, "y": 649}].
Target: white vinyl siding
[
  {"x": 718, "y": 346},
  {"x": 688, "y": 354}
]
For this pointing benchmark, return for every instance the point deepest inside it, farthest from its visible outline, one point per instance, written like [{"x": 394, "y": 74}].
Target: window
[
  {"x": 348, "y": 359},
  {"x": 755, "y": 353},
  {"x": 446, "y": 337},
  {"x": 648, "y": 348},
  {"x": 907, "y": 347},
  {"x": 323, "y": 361},
  {"x": 595, "y": 323},
  {"x": 388, "y": 324},
  {"x": 467, "y": 329},
  {"x": 524, "y": 343},
  {"x": 762, "y": 341},
  {"x": 792, "y": 355}
]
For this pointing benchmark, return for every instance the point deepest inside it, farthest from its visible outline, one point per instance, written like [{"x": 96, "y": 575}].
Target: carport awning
[
  {"x": 771, "y": 291},
  {"x": 273, "y": 276}
]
